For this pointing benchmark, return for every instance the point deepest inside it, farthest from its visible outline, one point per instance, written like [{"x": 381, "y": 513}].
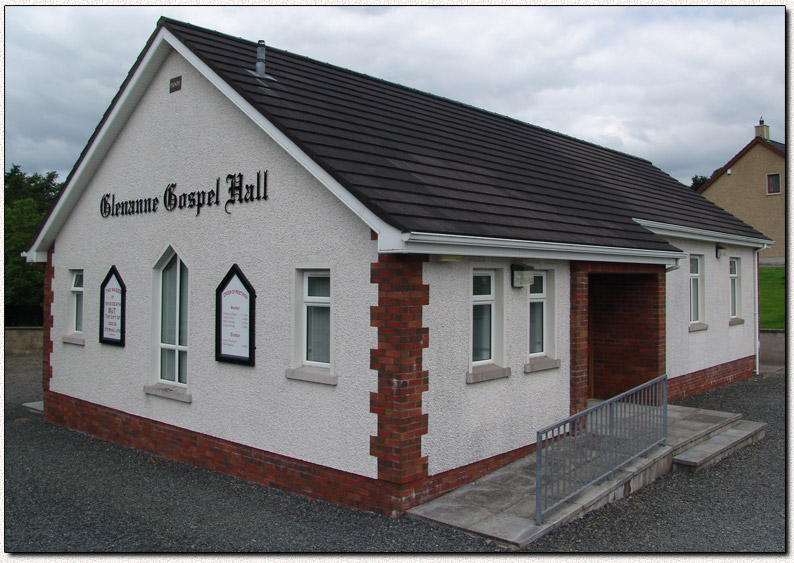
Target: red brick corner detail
[
  {"x": 49, "y": 276},
  {"x": 398, "y": 362}
]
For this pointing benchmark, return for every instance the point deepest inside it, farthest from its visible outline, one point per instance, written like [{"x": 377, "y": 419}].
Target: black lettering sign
[{"x": 239, "y": 192}]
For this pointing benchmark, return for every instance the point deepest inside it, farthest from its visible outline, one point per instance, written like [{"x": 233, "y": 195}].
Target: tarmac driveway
[{"x": 68, "y": 492}]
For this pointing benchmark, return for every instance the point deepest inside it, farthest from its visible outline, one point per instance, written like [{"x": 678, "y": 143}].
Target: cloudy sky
[{"x": 679, "y": 86}]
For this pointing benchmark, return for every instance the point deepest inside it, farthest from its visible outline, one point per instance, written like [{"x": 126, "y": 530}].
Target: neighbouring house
[
  {"x": 752, "y": 186},
  {"x": 324, "y": 282}
]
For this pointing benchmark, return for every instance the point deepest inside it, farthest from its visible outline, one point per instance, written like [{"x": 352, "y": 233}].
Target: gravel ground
[{"x": 68, "y": 492}]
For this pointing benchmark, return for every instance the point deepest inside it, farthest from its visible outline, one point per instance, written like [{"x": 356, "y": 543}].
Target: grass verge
[{"x": 772, "y": 295}]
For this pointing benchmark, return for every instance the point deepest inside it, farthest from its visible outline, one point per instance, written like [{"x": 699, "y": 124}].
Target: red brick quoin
[
  {"x": 49, "y": 275},
  {"x": 398, "y": 362}
]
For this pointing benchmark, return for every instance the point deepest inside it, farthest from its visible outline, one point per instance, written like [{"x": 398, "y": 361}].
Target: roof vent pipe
[
  {"x": 259, "y": 72},
  {"x": 260, "y": 59}
]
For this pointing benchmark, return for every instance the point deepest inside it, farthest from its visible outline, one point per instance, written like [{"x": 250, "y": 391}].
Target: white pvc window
[
  {"x": 695, "y": 289},
  {"x": 483, "y": 317},
  {"x": 77, "y": 301},
  {"x": 538, "y": 315},
  {"x": 733, "y": 273},
  {"x": 174, "y": 321},
  {"x": 317, "y": 318}
]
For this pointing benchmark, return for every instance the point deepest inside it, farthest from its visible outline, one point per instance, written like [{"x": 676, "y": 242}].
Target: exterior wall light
[
  {"x": 521, "y": 275},
  {"x": 719, "y": 251}
]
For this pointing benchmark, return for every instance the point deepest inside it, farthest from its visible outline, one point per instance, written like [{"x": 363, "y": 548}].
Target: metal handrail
[{"x": 584, "y": 448}]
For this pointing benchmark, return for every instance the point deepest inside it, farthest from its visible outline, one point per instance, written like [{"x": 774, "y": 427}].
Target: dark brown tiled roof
[{"x": 427, "y": 164}]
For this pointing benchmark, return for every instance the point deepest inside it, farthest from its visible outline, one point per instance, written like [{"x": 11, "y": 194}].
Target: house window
[
  {"x": 174, "y": 321},
  {"x": 483, "y": 302},
  {"x": 538, "y": 315},
  {"x": 77, "y": 301},
  {"x": 733, "y": 273},
  {"x": 695, "y": 289},
  {"x": 316, "y": 318},
  {"x": 772, "y": 184}
]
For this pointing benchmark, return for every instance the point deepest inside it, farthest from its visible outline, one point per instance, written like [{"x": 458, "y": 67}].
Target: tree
[
  {"x": 698, "y": 181},
  {"x": 28, "y": 198}
]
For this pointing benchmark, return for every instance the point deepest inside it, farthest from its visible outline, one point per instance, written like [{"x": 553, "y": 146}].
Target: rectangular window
[
  {"x": 173, "y": 321},
  {"x": 733, "y": 273},
  {"x": 482, "y": 317},
  {"x": 77, "y": 301},
  {"x": 772, "y": 184},
  {"x": 695, "y": 289},
  {"x": 317, "y": 318},
  {"x": 537, "y": 315}
]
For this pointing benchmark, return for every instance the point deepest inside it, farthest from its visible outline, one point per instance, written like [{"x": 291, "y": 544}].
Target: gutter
[
  {"x": 462, "y": 245},
  {"x": 692, "y": 233}
]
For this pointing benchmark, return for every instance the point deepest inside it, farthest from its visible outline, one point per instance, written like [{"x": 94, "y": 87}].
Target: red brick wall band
[
  {"x": 259, "y": 466},
  {"x": 710, "y": 378}
]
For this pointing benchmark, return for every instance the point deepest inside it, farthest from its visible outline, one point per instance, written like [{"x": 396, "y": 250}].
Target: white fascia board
[
  {"x": 387, "y": 235},
  {"x": 104, "y": 139},
  {"x": 669, "y": 230},
  {"x": 458, "y": 245}
]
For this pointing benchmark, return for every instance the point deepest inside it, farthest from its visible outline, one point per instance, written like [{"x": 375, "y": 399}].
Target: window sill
[
  {"x": 697, "y": 327},
  {"x": 168, "y": 392},
  {"x": 735, "y": 321},
  {"x": 313, "y": 374},
  {"x": 74, "y": 338},
  {"x": 541, "y": 363},
  {"x": 487, "y": 373}
]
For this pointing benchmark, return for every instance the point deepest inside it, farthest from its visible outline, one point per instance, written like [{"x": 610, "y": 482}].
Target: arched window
[{"x": 173, "y": 337}]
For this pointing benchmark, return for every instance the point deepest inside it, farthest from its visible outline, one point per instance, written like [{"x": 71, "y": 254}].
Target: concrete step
[
  {"x": 719, "y": 446},
  {"x": 35, "y": 406},
  {"x": 689, "y": 427}
]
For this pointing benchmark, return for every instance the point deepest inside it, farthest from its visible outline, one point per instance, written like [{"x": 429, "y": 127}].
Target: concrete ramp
[{"x": 501, "y": 505}]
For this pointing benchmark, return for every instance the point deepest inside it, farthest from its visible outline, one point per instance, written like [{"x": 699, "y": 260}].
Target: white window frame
[
  {"x": 77, "y": 305},
  {"x": 542, "y": 298},
  {"x": 696, "y": 289},
  {"x": 180, "y": 298},
  {"x": 316, "y": 301},
  {"x": 779, "y": 186},
  {"x": 490, "y": 300},
  {"x": 302, "y": 369},
  {"x": 734, "y": 277}
]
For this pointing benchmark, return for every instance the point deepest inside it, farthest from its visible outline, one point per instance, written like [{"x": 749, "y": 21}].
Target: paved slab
[{"x": 501, "y": 505}]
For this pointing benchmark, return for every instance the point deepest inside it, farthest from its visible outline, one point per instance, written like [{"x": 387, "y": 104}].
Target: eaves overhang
[
  {"x": 461, "y": 245},
  {"x": 692, "y": 233},
  {"x": 164, "y": 43},
  {"x": 98, "y": 146}
]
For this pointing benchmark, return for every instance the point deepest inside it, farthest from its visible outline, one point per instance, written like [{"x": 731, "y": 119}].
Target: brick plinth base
[
  {"x": 259, "y": 466},
  {"x": 710, "y": 378}
]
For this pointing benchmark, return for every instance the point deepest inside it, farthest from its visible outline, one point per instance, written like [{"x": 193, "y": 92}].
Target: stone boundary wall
[
  {"x": 24, "y": 340},
  {"x": 773, "y": 346}
]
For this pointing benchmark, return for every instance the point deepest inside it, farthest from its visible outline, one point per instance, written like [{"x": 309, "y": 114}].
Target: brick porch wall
[{"x": 651, "y": 324}]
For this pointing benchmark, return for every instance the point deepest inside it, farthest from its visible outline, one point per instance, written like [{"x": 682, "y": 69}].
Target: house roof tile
[{"x": 423, "y": 163}]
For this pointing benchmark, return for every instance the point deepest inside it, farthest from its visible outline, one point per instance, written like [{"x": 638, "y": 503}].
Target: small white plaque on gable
[{"x": 234, "y": 319}]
